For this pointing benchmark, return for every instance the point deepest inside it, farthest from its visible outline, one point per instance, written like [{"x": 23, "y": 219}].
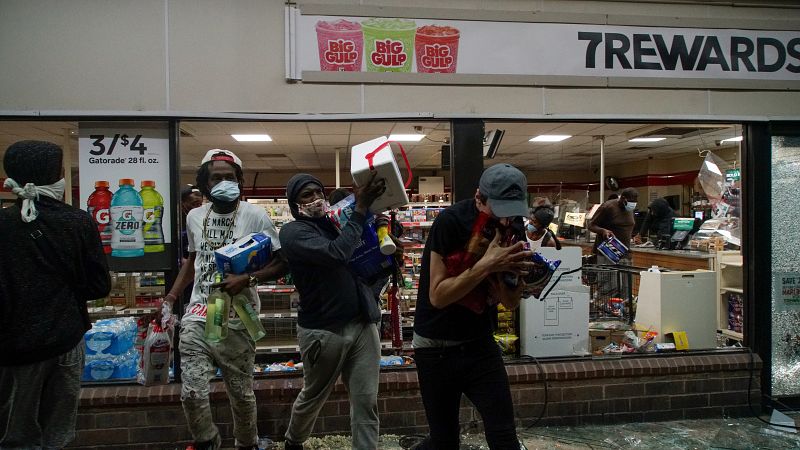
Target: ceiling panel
[{"x": 315, "y": 143}]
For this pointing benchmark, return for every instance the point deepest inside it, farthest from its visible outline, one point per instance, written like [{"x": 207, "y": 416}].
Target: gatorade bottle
[
  {"x": 127, "y": 213},
  {"x": 248, "y": 316},
  {"x": 218, "y": 311},
  {"x": 153, "y": 205},
  {"x": 98, "y": 206}
]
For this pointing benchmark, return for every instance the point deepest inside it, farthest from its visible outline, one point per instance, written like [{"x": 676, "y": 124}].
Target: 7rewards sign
[{"x": 124, "y": 185}]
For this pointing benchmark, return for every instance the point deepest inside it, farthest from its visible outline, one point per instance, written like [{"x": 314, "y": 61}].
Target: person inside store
[
  {"x": 338, "y": 313},
  {"x": 464, "y": 274},
  {"x": 191, "y": 198},
  {"x": 537, "y": 231},
  {"x": 209, "y": 227},
  {"x": 51, "y": 263},
  {"x": 658, "y": 220},
  {"x": 614, "y": 218}
]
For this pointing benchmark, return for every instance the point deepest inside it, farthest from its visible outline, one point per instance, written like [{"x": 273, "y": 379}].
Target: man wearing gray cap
[{"x": 465, "y": 273}]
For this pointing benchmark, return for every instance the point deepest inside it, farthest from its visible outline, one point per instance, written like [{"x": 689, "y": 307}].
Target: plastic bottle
[
  {"x": 155, "y": 360},
  {"x": 98, "y": 206},
  {"x": 249, "y": 316},
  {"x": 153, "y": 205},
  {"x": 127, "y": 213},
  {"x": 219, "y": 309},
  {"x": 653, "y": 269}
]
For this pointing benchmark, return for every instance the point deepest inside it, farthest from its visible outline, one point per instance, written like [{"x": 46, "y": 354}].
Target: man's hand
[
  {"x": 170, "y": 300},
  {"x": 233, "y": 284},
  {"x": 506, "y": 259},
  {"x": 607, "y": 234},
  {"x": 366, "y": 194},
  {"x": 637, "y": 239}
]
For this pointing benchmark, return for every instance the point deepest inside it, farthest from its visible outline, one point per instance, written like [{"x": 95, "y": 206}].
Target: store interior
[{"x": 660, "y": 160}]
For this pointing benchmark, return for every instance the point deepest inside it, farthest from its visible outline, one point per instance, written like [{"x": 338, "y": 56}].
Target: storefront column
[
  {"x": 756, "y": 244},
  {"x": 466, "y": 157}
]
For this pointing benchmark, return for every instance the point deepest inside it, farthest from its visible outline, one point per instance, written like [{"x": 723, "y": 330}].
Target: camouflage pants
[
  {"x": 199, "y": 361},
  {"x": 39, "y": 402}
]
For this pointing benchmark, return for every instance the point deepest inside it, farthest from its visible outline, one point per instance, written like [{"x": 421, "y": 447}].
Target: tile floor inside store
[{"x": 735, "y": 434}]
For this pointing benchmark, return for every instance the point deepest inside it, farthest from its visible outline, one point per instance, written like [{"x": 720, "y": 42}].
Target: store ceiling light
[
  {"x": 734, "y": 139},
  {"x": 406, "y": 137},
  {"x": 550, "y": 138},
  {"x": 252, "y": 137},
  {"x": 653, "y": 139}
]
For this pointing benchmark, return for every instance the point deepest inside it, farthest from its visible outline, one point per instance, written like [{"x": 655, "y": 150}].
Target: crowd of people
[{"x": 465, "y": 272}]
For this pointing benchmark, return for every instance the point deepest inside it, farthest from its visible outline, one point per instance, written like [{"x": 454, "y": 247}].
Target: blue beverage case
[
  {"x": 367, "y": 261},
  {"x": 613, "y": 249}
]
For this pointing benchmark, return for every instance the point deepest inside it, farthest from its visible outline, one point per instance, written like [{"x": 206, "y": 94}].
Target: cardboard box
[
  {"x": 247, "y": 254},
  {"x": 599, "y": 339}
]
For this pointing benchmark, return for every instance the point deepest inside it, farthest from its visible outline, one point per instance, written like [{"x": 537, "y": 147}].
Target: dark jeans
[{"x": 476, "y": 370}]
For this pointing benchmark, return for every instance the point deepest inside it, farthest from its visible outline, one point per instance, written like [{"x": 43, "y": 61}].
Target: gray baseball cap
[{"x": 506, "y": 188}]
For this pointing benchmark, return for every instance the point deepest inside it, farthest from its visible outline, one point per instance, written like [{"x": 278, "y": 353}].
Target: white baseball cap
[{"x": 218, "y": 154}]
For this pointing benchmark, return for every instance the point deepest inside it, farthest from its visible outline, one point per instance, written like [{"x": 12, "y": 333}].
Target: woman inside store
[{"x": 537, "y": 231}]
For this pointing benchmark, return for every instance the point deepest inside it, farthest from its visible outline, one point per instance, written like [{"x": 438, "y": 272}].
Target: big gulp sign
[
  {"x": 389, "y": 53},
  {"x": 557, "y": 51},
  {"x": 341, "y": 51}
]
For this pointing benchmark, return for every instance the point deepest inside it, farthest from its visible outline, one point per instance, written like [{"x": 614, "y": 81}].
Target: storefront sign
[
  {"x": 787, "y": 291},
  {"x": 124, "y": 185},
  {"x": 426, "y": 46}
]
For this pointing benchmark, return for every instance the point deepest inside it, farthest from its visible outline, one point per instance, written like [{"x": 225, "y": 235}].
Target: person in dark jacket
[
  {"x": 51, "y": 263},
  {"x": 338, "y": 314},
  {"x": 658, "y": 220}
]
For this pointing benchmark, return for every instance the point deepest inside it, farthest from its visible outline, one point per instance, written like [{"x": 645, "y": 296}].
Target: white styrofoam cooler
[{"x": 384, "y": 163}]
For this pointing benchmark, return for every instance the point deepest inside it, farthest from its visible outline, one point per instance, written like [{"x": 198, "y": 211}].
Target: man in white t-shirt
[{"x": 215, "y": 224}]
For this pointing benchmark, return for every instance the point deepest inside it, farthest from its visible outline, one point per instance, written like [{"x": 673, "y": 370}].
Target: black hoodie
[
  {"x": 658, "y": 218},
  {"x": 318, "y": 254}
]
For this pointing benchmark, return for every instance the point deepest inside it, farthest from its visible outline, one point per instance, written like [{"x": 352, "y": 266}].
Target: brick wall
[{"x": 592, "y": 391}]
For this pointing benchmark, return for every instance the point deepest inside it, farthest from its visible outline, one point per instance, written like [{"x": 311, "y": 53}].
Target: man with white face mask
[
  {"x": 338, "y": 312},
  {"x": 51, "y": 263},
  {"x": 615, "y": 218},
  {"x": 220, "y": 222}
]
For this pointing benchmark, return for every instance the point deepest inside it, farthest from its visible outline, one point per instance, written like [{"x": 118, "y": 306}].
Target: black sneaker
[
  {"x": 292, "y": 446},
  {"x": 213, "y": 444}
]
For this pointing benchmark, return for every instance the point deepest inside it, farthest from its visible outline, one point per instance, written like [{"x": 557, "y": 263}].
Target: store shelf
[
  {"x": 276, "y": 289},
  {"x": 732, "y": 289},
  {"x": 431, "y": 205},
  {"x": 732, "y": 264},
  {"x": 417, "y": 224},
  {"x": 732, "y": 334},
  {"x": 111, "y": 311},
  {"x": 278, "y": 346},
  {"x": 278, "y": 315}
]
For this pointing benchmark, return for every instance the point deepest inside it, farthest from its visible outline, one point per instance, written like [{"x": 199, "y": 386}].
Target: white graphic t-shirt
[{"x": 248, "y": 219}]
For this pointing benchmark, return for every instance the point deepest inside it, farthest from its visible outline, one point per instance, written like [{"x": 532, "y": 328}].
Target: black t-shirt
[{"x": 450, "y": 233}]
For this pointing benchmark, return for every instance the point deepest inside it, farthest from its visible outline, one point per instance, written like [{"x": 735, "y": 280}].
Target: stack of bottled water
[{"x": 110, "y": 354}]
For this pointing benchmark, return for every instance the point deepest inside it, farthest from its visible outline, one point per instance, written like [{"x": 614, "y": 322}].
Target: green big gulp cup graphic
[{"x": 389, "y": 44}]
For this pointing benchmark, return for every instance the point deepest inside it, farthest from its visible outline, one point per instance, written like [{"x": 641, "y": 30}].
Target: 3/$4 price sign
[
  {"x": 103, "y": 150},
  {"x": 125, "y": 186}
]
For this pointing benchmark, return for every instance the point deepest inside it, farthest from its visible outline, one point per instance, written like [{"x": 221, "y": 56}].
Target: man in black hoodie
[
  {"x": 338, "y": 313},
  {"x": 658, "y": 219},
  {"x": 51, "y": 263}
]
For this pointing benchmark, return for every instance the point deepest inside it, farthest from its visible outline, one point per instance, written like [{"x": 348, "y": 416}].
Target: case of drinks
[{"x": 247, "y": 254}]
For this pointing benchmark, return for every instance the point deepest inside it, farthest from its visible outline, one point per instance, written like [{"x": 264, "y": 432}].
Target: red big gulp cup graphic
[
  {"x": 437, "y": 49},
  {"x": 341, "y": 45}
]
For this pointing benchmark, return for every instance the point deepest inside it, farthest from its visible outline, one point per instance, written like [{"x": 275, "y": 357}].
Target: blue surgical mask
[
  {"x": 531, "y": 228},
  {"x": 630, "y": 206},
  {"x": 226, "y": 191}
]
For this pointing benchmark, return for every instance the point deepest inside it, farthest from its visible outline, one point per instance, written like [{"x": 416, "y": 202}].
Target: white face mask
[
  {"x": 225, "y": 191},
  {"x": 630, "y": 206},
  {"x": 315, "y": 210}
]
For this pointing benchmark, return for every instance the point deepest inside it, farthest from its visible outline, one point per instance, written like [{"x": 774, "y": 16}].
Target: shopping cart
[{"x": 612, "y": 291}]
